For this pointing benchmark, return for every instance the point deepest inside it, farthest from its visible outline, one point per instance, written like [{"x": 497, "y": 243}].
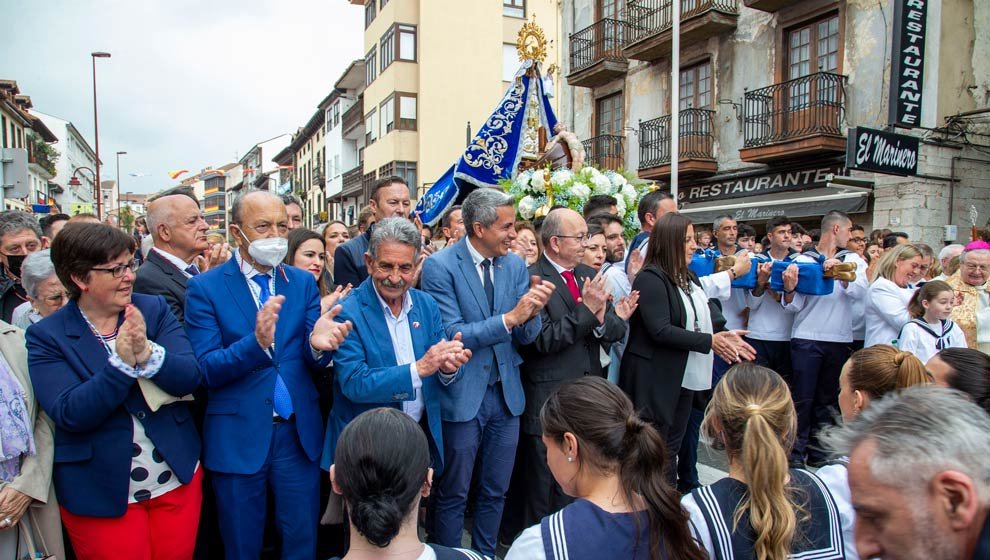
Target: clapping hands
[
  {"x": 132, "y": 339},
  {"x": 446, "y": 356},
  {"x": 328, "y": 334}
]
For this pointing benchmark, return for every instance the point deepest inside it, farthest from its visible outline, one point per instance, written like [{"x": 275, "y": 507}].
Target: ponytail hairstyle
[
  {"x": 752, "y": 416},
  {"x": 882, "y": 369},
  {"x": 614, "y": 440},
  {"x": 970, "y": 373},
  {"x": 380, "y": 466},
  {"x": 927, "y": 292}
]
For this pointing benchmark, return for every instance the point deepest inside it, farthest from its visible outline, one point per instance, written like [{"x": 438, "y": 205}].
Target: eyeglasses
[
  {"x": 582, "y": 237},
  {"x": 56, "y": 298},
  {"x": 972, "y": 267},
  {"x": 118, "y": 271},
  {"x": 388, "y": 268}
]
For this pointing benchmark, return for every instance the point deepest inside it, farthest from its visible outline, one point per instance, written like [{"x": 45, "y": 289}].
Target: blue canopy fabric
[{"x": 495, "y": 151}]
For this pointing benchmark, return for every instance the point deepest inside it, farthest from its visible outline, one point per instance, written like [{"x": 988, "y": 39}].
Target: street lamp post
[
  {"x": 96, "y": 133},
  {"x": 118, "y": 186},
  {"x": 74, "y": 181}
]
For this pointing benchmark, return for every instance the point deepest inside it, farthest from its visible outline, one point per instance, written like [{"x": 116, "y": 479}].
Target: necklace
[{"x": 97, "y": 334}]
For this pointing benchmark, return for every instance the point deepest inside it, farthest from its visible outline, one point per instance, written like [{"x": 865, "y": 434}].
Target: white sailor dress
[
  {"x": 712, "y": 509},
  {"x": 924, "y": 340},
  {"x": 583, "y": 530}
]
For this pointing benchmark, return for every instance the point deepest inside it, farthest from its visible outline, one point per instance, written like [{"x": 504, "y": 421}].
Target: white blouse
[
  {"x": 886, "y": 311},
  {"x": 698, "y": 372}
]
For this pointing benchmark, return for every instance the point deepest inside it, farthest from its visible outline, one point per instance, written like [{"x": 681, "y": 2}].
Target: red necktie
[{"x": 572, "y": 285}]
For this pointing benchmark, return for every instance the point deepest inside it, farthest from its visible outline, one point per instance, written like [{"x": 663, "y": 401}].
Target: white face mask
[{"x": 268, "y": 251}]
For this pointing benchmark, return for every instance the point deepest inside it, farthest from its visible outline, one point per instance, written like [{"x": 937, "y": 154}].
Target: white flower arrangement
[{"x": 538, "y": 190}]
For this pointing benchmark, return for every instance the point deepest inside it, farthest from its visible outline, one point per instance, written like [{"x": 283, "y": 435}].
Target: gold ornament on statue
[{"x": 531, "y": 44}]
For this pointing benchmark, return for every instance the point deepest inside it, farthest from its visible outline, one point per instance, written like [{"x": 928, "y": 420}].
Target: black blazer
[
  {"x": 566, "y": 347},
  {"x": 348, "y": 260},
  {"x": 158, "y": 277},
  {"x": 652, "y": 368}
]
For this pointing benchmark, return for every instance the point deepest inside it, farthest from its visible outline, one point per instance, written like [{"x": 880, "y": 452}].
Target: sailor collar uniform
[{"x": 819, "y": 537}]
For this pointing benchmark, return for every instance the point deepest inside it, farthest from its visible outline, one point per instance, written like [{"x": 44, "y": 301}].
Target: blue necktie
[
  {"x": 486, "y": 268},
  {"x": 192, "y": 270},
  {"x": 283, "y": 402}
]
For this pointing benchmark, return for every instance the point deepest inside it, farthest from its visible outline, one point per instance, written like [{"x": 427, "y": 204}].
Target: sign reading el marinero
[{"x": 882, "y": 152}]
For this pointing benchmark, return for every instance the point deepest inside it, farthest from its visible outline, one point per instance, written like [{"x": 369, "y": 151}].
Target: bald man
[{"x": 178, "y": 231}]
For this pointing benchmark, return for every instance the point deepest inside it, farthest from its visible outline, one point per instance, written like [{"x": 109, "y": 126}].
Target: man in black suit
[
  {"x": 179, "y": 231},
  {"x": 389, "y": 197},
  {"x": 577, "y": 320}
]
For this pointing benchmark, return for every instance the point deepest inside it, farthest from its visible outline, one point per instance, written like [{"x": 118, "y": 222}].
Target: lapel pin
[{"x": 415, "y": 324}]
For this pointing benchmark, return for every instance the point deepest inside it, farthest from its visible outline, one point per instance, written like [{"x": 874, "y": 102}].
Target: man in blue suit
[
  {"x": 389, "y": 197},
  {"x": 485, "y": 293},
  {"x": 256, "y": 328},
  {"x": 397, "y": 355}
]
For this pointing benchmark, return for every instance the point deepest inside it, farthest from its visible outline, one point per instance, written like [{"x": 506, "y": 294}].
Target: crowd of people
[{"x": 277, "y": 391}]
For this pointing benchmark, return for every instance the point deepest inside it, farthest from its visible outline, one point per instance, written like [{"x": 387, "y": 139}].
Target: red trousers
[{"x": 162, "y": 528}]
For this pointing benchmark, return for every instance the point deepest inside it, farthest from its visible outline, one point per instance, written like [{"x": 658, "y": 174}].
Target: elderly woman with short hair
[
  {"x": 45, "y": 291},
  {"x": 973, "y": 291}
]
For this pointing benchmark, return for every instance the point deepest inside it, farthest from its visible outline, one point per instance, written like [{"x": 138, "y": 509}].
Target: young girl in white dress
[{"x": 931, "y": 330}]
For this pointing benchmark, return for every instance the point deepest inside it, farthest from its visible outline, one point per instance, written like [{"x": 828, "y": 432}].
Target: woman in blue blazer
[{"x": 112, "y": 369}]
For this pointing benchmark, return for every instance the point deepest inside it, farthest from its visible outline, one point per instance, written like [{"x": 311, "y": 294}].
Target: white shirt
[
  {"x": 177, "y": 262},
  {"x": 477, "y": 258},
  {"x": 921, "y": 343},
  {"x": 768, "y": 320},
  {"x": 698, "y": 370},
  {"x": 886, "y": 311},
  {"x": 828, "y": 318},
  {"x": 618, "y": 282},
  {"x": 402, "y": 344}
]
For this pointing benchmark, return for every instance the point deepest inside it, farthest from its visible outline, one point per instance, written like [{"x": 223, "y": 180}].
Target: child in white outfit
[{"x": 931, "y": 329}]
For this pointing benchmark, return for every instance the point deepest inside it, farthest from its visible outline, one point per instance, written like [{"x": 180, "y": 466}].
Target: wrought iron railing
[
  {"x": 696, "y": 138},
  {"x": 650, "y": 17},
  {"x": 606, "y": 151},
  {"x": 813, "y": 104},
  {"x": 600, "y": 41}
]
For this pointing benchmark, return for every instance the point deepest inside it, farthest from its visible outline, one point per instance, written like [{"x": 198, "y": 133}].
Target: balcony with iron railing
[
  {"x": 696, "y": 145},
  {"x": 770, "y": 5},
  {"x": 596, "y": 53},
  {"x": 606, "y": 151},
  {"x": 352, "y": 181},
  {"x": 651, "y": 25},
  {"x": 799, "y": 117}
]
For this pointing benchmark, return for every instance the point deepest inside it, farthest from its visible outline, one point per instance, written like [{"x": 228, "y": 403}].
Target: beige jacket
[{"x": 35, "y": 479}]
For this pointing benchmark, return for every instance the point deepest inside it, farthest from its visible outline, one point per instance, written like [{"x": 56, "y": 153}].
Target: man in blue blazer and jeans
[
  {"x": 398, "y": 355},
  {"x": 485, "y": 293},
  {"x": 256, "y": 329}
]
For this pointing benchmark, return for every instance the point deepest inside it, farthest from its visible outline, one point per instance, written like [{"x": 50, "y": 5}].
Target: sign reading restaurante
[
  {"x": 907, "y": 64},
  {"x": 758, "y": 183}
]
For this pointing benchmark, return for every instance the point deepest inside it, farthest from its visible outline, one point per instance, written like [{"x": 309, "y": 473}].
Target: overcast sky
[{"x": 191, "y": 83}]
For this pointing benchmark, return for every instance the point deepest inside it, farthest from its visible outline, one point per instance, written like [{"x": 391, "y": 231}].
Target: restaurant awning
[{"x": 794, "y": 204}]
